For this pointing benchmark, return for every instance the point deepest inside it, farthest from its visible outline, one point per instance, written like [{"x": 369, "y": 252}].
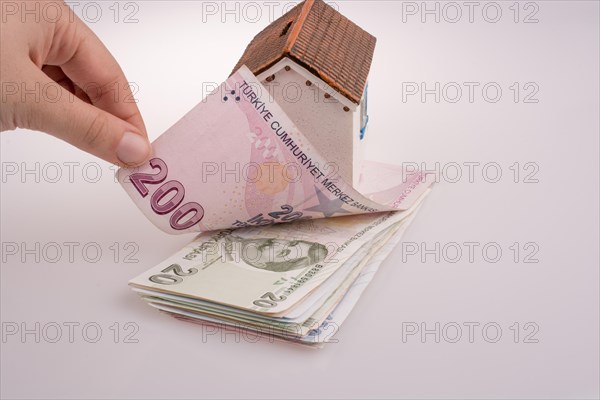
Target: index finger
[{"x": 89, "y": 64}]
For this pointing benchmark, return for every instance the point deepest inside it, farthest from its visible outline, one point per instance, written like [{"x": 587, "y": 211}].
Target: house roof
[{"x": 320, "y": 39}]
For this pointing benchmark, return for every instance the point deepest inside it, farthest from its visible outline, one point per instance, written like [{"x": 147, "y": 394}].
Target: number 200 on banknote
[{"x": 183, "y": 216}]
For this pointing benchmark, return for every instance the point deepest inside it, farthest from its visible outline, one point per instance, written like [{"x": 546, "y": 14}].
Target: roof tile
[{"x": 320, "y": 39}]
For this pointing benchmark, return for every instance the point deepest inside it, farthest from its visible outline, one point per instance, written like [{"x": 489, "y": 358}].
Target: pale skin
[{"x": 57, "y": 77}]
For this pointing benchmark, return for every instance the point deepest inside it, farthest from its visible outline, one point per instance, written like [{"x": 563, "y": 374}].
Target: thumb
[{"x": 58, "y": 112}]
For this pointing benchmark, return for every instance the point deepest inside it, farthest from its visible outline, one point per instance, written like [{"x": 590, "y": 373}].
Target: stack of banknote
[
  {"x": 283, "y": 256},
  {"x": 295, "y": 281}
]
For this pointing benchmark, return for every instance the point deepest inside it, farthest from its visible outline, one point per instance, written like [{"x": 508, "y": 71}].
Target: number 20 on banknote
[{"x": 183, "y": 216}]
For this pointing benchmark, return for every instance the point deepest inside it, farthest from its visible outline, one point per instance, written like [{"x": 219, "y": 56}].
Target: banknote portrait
[{"x": 275, "y": 255}]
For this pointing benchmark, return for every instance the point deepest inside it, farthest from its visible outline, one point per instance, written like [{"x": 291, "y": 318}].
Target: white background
[{"x": 170, "y": 52}]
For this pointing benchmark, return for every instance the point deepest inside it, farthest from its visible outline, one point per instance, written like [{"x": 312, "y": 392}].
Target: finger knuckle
[{"x": 96, "y": 131}]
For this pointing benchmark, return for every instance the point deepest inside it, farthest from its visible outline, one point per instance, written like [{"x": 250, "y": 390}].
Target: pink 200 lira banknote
[{"x": 242, "y": 162}]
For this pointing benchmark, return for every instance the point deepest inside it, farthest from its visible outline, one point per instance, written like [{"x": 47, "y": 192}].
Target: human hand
[{"x": 57, "y": 77}]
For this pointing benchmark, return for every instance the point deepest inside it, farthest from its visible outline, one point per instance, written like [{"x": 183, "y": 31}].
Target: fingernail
[{"x": 133, "y": 149}]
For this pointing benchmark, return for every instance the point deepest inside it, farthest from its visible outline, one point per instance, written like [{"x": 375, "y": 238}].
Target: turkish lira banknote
[
  {"x": 297, "y": 281},
  {"x": 237, "y": 160},
  {"x": 268, "y": 258}
]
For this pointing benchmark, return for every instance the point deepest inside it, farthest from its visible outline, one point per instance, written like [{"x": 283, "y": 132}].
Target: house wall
[
  {"x": 358, "y": 146},
  {"x": 360, "y": 119},
  {"x": 322, "y": 120}
]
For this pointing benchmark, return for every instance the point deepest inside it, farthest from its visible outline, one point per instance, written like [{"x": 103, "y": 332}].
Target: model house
[{"x": 315, "y": 63}]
